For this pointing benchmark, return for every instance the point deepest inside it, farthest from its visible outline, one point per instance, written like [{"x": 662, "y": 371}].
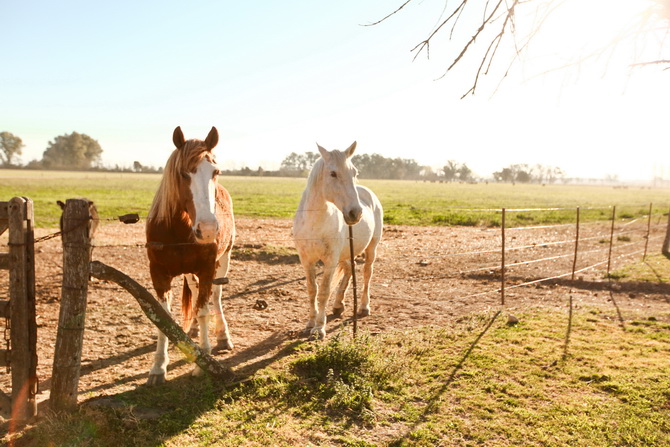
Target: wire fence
[
  {"x": 505, "y": 252},
  {"x": 493, "y": 260}
]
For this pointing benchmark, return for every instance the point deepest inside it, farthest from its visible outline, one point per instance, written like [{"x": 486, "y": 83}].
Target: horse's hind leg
[
  {"x": 223, "y": 341},
  {"x": 370, "y": 256},
  {"x": 338, "y": 306},
  {"x": 319, "y": 330},
  {"x": 191, "y": 282}
]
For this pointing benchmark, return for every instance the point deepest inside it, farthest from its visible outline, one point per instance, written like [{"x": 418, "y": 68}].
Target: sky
[{"x": 279, "y": 77}]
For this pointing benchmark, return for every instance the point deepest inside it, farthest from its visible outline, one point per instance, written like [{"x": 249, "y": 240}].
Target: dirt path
[{"x": 423, "y": 276}]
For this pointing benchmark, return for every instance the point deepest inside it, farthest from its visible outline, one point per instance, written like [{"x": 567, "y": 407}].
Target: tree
[
  {"x": 464, "y": 173},
  {"x": 450, "y": 170},
  {"x": 76, "y": 151},
  {"x": 10, "y": 146},
  {"x": 513, "y": 24},
  {"x": 137, "y": 166}
]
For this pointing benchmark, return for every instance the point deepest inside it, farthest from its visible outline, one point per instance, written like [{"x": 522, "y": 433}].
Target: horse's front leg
[
  {"x": 158, "y": 371},
  {"x": 223, "y": 341},
  {"x": 201, "y": 311},
  {"x": 312, "y": 288},
  {"x": 319, "y": 330}
]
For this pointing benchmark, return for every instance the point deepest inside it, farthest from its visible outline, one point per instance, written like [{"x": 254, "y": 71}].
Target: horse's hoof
[
  {"x": 223, "y": 345},
  {"x": 317, "y": 334},
  {"x": 337, "y": 312},
  {"x": 198, "y": 372},
  {"x": 364, "y": 313},
  {"x": 156, "y": 379},
  {"x": 194, "y": 332}
]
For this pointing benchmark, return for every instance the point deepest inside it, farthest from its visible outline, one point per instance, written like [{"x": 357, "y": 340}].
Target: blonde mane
[
  {"x": 182, "y": 161},
  {"x": 314, "y": 175}
]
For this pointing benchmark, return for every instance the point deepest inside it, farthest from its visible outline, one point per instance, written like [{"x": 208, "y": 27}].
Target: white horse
[{"x": 330, "y": 203}]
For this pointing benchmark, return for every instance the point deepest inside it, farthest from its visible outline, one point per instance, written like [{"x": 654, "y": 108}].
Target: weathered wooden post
[
  {"x": 70, "y": 336},
  {"x": 666, "y": 243},
  {"x": 23, "y": 334}
]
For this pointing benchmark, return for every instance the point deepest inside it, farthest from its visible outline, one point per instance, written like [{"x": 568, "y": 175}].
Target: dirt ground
[{"x": 423, "y": 276}]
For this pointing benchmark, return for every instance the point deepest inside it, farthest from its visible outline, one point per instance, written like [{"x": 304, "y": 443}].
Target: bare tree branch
[
  {"x": 642, "y": 64},
  {"x": 393, "y": 13},
  {"x": 504, "y": 12}
]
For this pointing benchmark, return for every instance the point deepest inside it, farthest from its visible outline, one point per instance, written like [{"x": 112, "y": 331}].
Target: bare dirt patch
[{"x": 423, "y": 276}]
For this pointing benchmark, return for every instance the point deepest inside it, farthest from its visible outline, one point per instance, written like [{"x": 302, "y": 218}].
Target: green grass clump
[{"x": 345, "y": 373}]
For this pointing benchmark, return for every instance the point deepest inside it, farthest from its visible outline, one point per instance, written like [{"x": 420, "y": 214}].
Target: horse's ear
[
  {"x": 324, "y": 153},
  {"x": 350, "y": 150},
  {"x": 61, "y": 204},
  {"x": 178, "y": 137},
  {"x": 212, "y": 138}
]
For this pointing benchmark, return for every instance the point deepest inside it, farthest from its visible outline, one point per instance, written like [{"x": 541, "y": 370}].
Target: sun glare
[{"x": 579, "y": 30}]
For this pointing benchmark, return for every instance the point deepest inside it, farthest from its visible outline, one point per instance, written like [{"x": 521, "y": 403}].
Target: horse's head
[
  {"x": 198, "y": 177},
  {"x": 339, "y": 182}
]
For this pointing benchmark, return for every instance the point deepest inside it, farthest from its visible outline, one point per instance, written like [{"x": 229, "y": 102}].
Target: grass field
[
  {"x": 477, "y": 382},
  {"x": 405, "y": 202}
]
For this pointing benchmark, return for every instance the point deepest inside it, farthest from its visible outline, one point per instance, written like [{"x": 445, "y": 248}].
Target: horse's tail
[{"x": 186, "y": 306}]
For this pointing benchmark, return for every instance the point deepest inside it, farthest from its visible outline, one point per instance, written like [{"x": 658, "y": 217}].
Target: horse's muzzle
[
  {"x": 353, "y": 215},
  {"x": 205, "y": 232}
]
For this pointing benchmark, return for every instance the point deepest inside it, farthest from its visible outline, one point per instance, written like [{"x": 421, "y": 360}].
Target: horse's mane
[
  {"x": 182, "y": 160},
  {"x": 314, "y": 175}
]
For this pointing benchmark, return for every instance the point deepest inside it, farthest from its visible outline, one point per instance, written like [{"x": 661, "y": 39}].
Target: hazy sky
[{"x": 277, "y": 77}]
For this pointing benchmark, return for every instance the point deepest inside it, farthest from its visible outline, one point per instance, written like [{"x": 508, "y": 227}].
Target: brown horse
[{"x": 190, "y": 230}]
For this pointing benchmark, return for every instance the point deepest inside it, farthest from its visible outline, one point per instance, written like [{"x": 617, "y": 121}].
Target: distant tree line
[
  {"x": 523, "y": 173},
  {"x": 70, "y": 151},
  {"x": 379, "y": 167},
  {"x": 73, "y": 151},
  {"x": 369, "y": 166},
  {"x": 81, "y": 152}
]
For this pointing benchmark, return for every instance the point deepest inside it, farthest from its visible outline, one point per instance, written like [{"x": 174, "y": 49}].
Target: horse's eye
[
  {"x": 185, "y": 175},
  {"x": 333, "y": 174}
]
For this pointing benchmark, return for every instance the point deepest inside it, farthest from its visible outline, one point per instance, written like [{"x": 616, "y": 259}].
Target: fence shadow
[
  {"x": 434, "y": 400},
  {"x": 626, "y": 287}
]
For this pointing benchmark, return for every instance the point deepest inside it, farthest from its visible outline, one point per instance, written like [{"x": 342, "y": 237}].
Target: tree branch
[
  {"x": 163, "y": 320},
  {"x": 393, "y": 13}
]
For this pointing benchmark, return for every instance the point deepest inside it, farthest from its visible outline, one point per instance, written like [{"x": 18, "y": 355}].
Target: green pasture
[
  {"x": 405, "y": 202},
  {"x": 478, "y": 382}
]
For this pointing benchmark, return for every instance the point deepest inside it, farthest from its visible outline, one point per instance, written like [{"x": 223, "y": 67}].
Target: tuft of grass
[{"x": 345, "y": 373}]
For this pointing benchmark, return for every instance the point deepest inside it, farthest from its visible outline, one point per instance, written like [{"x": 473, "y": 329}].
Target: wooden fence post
[
  {"x": 609, "y": 253},
  {"x": 646, "y": 242},
  {"x": 22, "y": 310},
  {"x": 666, "y": 242},
  {"x": 574, "y": 260},
  {"x": 502, "y": 261},
  {"x": 69, "y": 341}
]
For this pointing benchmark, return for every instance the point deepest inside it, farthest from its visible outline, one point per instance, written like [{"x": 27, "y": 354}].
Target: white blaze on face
[{"x": 203, "y": 189}]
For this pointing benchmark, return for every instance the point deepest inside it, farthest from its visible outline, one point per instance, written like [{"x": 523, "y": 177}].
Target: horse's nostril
[
  {"x": 198, "y": 233},
  {"x": 355, "y": 214}
]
